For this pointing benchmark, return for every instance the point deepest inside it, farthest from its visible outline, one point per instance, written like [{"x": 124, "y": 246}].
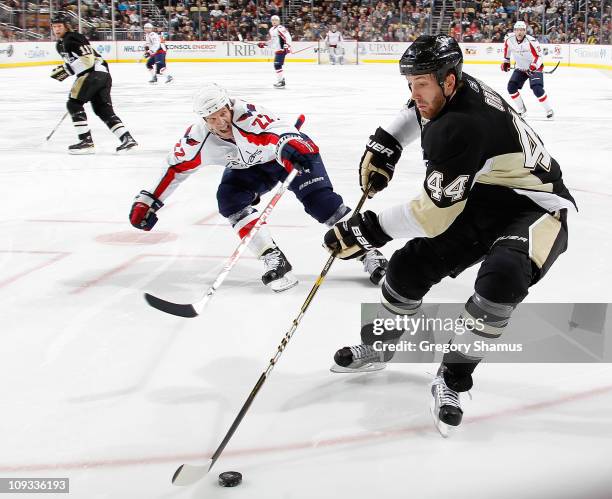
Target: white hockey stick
[
  {"x": 195, "y": 309},
  {"x": 57, "y": 126}
]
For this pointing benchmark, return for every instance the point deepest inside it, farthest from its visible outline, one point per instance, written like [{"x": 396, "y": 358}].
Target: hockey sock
[
  {"x": 243, "y": 221},
  {"x": 279, "y": 74},
  {"x": 518, "y": 100},
  {"x": 544, "y": 101},
  {"x": 118, "y": 129}
]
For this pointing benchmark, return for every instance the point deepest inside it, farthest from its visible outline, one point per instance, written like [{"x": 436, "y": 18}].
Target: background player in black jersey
[
  {"x": 93, "y": 84},
  {"x": 492, "y": 193}
]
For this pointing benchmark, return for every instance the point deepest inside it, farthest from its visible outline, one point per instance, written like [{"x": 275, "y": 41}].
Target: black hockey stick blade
[
  {"x": 178, "y": 309},
  {"x": 553, "y": 69}
]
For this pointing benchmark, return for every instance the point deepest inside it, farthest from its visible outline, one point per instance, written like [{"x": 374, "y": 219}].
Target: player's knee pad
[
  {"x": 75, "y": 108},
  {"x": 232, "y": 201},
  {"x": 106, "y": 113},
  {"x": 513, "y": 87},
  {"x": 324, "y": 205},
  {"x": 505, "y": 275},
  {"x": 150, "y": 63},
  {"x": 278, "y": 65},
  {"x": 538, "y": 90},
  {"x": 413, "y": 270}
]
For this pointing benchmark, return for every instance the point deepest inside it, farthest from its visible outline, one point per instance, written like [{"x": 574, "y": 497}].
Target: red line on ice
[
  {"x": 58, "y": 256},
  {"x": 349, "y": 439}
]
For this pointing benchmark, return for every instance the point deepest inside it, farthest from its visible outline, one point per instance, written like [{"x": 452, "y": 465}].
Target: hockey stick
[
  {"x": 195, "y": 309},
  {"x": 544, "y": 72},
  {"x": 187, "y": 474},
  {"x": 57, "y": 126}
]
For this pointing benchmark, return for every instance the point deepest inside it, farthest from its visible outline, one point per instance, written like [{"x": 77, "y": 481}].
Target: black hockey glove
[
  {"x": 142, "y": 214},
  {"x": 378, "y": 162},
  {"x": 355, "y": 236},
  {"x": 59, "y": 73}
]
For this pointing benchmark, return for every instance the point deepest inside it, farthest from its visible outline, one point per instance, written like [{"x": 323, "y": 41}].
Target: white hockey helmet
[
  {"x": 148, "y": 26},
  {"x": 275, "y": 18},
  {"x": 209, "y": 98},
  {"x": 520, "y": 25}
]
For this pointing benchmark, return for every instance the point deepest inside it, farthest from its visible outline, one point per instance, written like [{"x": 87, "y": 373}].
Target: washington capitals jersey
[
  {"x": 256, "y": 133},
  {"x": 476, "y": 145}
]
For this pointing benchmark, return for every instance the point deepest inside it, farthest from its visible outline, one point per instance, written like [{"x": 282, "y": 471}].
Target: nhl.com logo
[{"x": 9, "y": 51}]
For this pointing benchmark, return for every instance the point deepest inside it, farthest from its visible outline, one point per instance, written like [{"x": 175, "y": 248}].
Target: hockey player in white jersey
[
  {"x": 155, "y": 52},
  {"x": 258, "y": 150},
  {"x": 333, "y": 42},
  {"x": 529, "y": 66},
  {"x": 280, "y": 44}
]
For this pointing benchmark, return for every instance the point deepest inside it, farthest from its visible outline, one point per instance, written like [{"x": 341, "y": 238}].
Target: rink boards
[{"x": 19, "y": 54}]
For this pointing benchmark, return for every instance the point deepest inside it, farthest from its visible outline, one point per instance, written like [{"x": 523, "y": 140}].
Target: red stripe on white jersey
[{"x": 261, "y": 139}]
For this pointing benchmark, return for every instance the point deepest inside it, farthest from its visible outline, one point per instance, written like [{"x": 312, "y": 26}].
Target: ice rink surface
[{"x": 101, "y": 388}]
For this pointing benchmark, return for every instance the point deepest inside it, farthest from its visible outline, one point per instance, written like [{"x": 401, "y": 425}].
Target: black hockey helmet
[
  {"x": 60, "y": 18},
  {"x": 436, "y": 54}
]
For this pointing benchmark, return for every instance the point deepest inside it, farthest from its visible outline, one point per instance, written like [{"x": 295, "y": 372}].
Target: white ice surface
[{"x": 98, "y": 387}]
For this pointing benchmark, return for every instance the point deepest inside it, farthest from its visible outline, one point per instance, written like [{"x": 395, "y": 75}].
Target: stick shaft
[
  {"x": 281, "y": 347},
  {"x": 58, "y": 125}
]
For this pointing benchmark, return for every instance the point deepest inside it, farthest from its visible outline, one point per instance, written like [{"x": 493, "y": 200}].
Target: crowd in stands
[{"x": 550, "y": 21}]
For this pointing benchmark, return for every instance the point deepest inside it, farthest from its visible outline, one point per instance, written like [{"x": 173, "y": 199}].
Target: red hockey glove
[
  {"x": 142, "y": 214},
  {"x": 505, "y": 66},
  {"x": 293, "y": 151},
  {"x": 261, "y": 45}
]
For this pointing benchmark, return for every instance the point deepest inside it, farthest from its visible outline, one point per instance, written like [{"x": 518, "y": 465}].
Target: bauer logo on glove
[
  {"x": 59, "y": 73},
  {"x": 355, "y": 236}
]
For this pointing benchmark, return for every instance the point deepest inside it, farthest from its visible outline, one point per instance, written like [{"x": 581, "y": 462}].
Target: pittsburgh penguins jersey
[
  {"x": 78, "y": 55},
  {"x": 474, "y": 147}
]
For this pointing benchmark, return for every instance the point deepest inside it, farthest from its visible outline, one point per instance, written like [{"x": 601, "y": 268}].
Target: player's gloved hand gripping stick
[{"x": 187, "y": 474}]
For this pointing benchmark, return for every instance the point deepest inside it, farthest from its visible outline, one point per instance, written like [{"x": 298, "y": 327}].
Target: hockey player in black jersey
[
  {"x": 492, "y": 193},
  {"x": 93, "y": 84}
]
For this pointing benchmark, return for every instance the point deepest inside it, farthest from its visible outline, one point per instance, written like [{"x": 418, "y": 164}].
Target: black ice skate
[
  {"x": 85, "y": 146},
  {"x": 169, "y": 78},
  {"x": 550, "y": 114},
  {"x": 445, "y": 406},
  {"x": 153, "y": 79},
  {"x": 375, "y": 264},
  {"x": 277, "y": 275},
  {"x": 127, "y": 142},
  {"x": 358, "y": 359},
  {"x": 280, "y": 84}
]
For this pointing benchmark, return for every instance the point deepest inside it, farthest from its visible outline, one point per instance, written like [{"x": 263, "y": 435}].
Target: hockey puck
[{"x": 230, "y": 479}]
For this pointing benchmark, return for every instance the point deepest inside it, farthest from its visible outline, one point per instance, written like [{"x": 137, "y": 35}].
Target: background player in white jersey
[
  {"x": 529, "y": 66},
  {"x": 280, "y": 44},
  {"x": 155, "y": 51},
  {"x": 258, "y": 150},
  {"x": 333, "y": 42}
]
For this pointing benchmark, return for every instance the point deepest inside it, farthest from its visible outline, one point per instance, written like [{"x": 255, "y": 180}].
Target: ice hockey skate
[
  {"x": 169, "y": 78},
  {"x": 445, "y": 405},
  {"x": 85, "y": 146},
  {"x": 127, "y": 142},
  {"x": 358, "y": 359},
  {"x": 277, "y": 275},
  {"x": 280, "y": 84},
  {"x": 153, "y": 79},
  {"x": 550, "y": 114},
  {"x": 375, "y": 265}
]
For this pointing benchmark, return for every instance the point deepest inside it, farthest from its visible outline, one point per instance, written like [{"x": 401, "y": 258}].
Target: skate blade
[
  {"x": 444, "y": 429},
  {"x": 284, "y": 283},
  {"x": 126, "y": 151},
  {"x": 83, "y": 152},
  {"x": 366, "y": 368}
]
